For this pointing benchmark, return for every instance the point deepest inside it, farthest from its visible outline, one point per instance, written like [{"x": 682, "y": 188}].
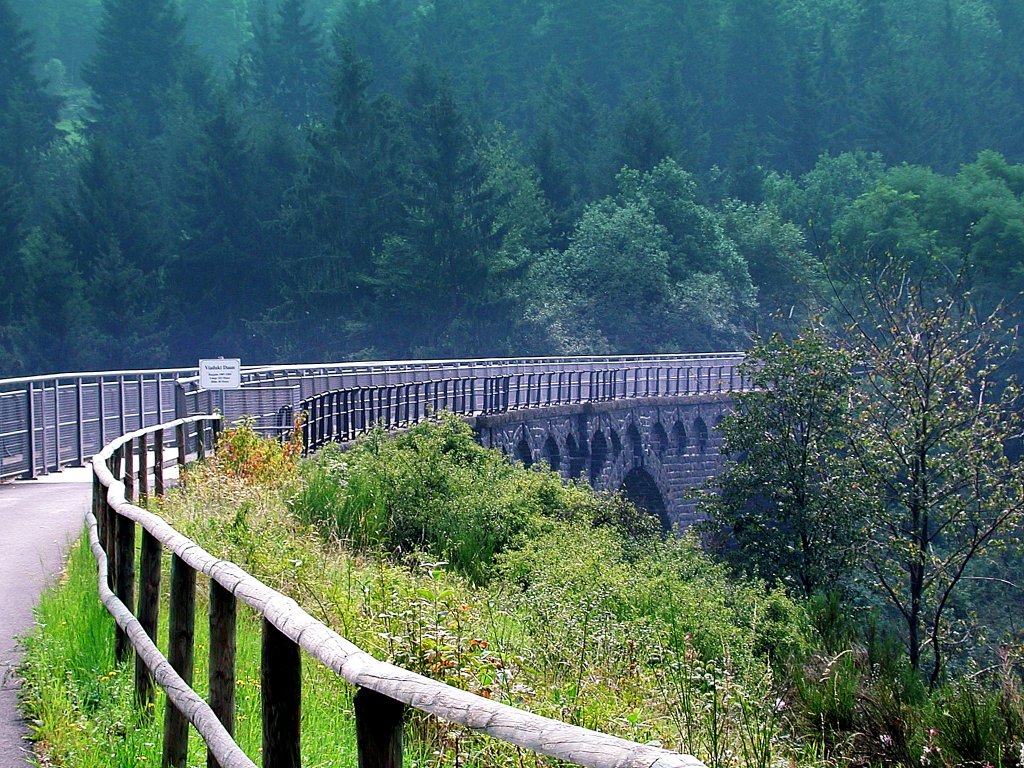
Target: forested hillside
[{"x": 339, "y": 179}]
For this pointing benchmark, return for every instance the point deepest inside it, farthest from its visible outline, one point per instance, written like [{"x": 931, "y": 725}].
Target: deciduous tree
[
  {"x": 934, "y": 414},
  {"x": 789, "y": 505}
]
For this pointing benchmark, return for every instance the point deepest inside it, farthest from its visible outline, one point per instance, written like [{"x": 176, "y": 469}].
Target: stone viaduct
[
  {"x": 643, "y": 425},
  {"x": 653, "y": 449}
]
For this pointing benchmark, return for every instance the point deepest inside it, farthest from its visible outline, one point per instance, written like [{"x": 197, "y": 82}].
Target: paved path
[{"x": 38, "y": 519}]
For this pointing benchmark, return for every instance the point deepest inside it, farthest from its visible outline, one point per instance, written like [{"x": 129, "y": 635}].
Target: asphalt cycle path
[{"x": 39, "y": 519}]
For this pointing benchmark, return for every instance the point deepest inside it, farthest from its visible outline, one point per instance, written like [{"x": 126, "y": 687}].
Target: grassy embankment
[{"x": 431, "y": 552}]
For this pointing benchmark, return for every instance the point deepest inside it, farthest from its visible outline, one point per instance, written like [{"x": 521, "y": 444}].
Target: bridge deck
[{"x": 38, "y": 520}]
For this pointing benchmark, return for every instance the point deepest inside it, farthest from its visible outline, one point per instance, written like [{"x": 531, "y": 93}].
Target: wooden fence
[{"x": 121, "y": 473}]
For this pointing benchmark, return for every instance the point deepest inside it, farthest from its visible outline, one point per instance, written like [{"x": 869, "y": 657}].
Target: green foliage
[
  {"x": 788, "y": 503},
  {"x": 666, "y": 260},
  {"x": 970, "y": 728},
  {"x": 285, "y": 58},
  {"x": 433, "y": 488},
  {"x": 671, "y": 590},
  {"x": 27, "y": 112},
  {"x": 145, "y": 38},
  {"x": 970, "y": 223},
  {"x": 933, "y": 418}
]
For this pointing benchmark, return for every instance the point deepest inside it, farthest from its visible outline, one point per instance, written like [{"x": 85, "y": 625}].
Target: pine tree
[
  {"x": 55, "y": 332},
  {"x": 140, "y": 55},
  {"x": 12, "y": 234},
  {"x": 349, "y": 196},
  {"x": 223, "y": 239},
  {"x": 445, "y": 278},
  {"x": 113, "y": 235},
  {"x": 644, "y": 136},
  {"x": 756, "y": 72},
  {"x": 287, "y": 56},
  {"x": 218, "y": 29},
  {"x": 27, "y": 113}
]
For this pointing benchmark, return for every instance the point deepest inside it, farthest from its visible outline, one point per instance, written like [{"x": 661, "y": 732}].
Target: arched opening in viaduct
[
  {"x": 660, "y": 437},
  {"x": 616, "y": 444},
  {"x": 523, "y": 453},
  {"x": 551, "y": 454},
  {"x": 636, "y": 445},
  {"x": 701, "y": 430},
  {"x": 639, "y": 487},
  {"x": 598, "y": 457},
  {"x": 679, "y": 438},
  {"x": 577, "y": 460}
]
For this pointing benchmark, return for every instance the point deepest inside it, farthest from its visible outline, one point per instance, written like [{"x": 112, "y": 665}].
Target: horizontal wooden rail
[{"x": 385, "y": 688}]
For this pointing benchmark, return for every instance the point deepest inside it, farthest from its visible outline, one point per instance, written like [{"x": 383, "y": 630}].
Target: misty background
[{"x": 307, "y": 180}]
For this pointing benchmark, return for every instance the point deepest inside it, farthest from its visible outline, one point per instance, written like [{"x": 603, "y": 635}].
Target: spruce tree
[
  {"x": 140, "y": 55},
  {"x": 446, "y": 277},
  {"x": 114, "y": 235},
  {"x": 347, "y": 199},
  {"x": 223, "y": 239},
  {"x": 12, "y": 233},
  {"x": 27, "y": 113},
  {"x": 286, "y": 57}
]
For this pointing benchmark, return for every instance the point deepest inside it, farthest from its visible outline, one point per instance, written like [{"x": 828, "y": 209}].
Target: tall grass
[{"x": 81, "y": 707}]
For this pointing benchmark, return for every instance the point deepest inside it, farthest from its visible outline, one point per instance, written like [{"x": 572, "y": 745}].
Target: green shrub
[{"x": 435, "y": 489}]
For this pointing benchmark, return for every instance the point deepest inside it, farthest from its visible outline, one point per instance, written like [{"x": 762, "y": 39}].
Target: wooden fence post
[
  {"x": 148, "y": 614},
  {"x": 109, "y": 537},
  {"x": 180, "y": 653},
  {"x": 223, "y": 644},
  {"x": 200, "y": 441},
  {"x": 143, "y": 468},
  {"x": 281, "y": 684},
  {"x": 124, "y": 578},
  {"x": 129, "y": 471},
  {"x": 99, "y": 508},
  {"x": 378, "y": 729},
  {"x": 158, "y": 462},
  {"x": 182, "y": 434}
]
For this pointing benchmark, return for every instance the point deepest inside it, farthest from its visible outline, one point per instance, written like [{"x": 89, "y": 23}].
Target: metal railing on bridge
[
  {"x": 57, "y": 420},
  {"x": 341, "y": 415}
]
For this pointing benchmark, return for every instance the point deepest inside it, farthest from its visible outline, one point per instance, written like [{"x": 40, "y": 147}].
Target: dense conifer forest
[{"x": 342, "y": 179}]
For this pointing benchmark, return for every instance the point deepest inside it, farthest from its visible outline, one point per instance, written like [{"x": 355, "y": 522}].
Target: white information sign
[{"x": 220, "y": 374}]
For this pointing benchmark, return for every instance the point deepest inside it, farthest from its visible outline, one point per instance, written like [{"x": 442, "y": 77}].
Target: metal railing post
[{"x": 31, "y": 436}]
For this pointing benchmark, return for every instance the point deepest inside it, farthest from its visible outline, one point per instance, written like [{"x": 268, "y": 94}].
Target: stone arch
[
  {"x": 598, "y": 456},
  {"x": 680, "y": 441},
  {"x": 524, "y": 453},
  {"x": 577, "y": 458},
  {"x": 641, "y": 489},
  {"x": 700, "y": 430},
  {"x": 660, "y": 439},
  {"x": 616, "y": 444},
  {"x": 551, "y": 453},
  {"x": 636, "y": 444}
]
